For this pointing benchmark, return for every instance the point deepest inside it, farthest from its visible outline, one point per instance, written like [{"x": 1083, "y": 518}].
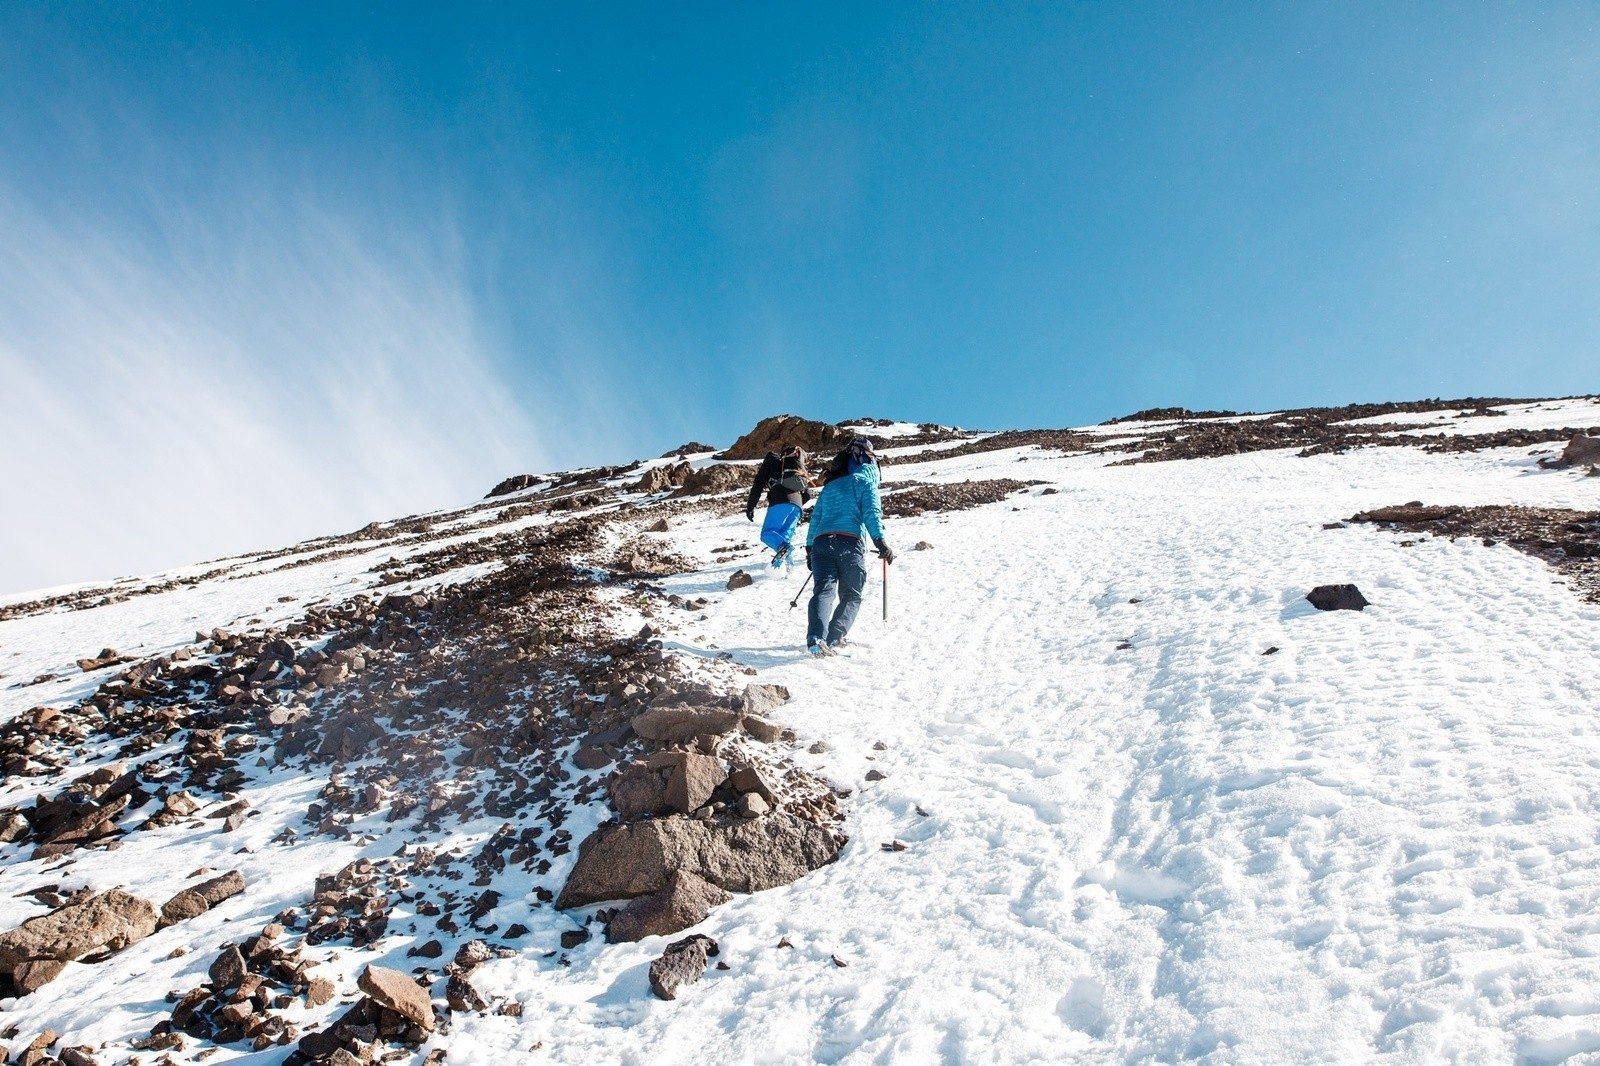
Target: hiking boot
[
  {"x": 821, "y": 651},
  {"x": 779, "y": 556}
]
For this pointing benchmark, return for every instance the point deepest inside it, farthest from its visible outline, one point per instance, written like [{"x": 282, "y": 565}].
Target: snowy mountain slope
[{"x": 1129, "y": 832}]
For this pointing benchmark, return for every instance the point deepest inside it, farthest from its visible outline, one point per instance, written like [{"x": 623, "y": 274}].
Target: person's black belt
[{"x": 852, "y": 536}]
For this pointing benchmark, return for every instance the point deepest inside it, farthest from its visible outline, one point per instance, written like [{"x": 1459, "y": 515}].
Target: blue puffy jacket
[{"x": 847, "y": 504}]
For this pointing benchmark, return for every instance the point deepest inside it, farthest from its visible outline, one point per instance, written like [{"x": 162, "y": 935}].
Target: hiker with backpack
[
  {"x": 788, "y": 488},
  {"x": 836, "y": 553}
]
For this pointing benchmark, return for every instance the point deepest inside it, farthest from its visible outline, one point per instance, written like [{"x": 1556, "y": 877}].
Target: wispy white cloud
[{"x": 213, "y": 381}]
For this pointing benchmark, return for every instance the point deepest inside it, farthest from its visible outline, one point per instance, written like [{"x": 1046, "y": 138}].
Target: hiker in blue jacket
[{"x": 847, "y": 508}]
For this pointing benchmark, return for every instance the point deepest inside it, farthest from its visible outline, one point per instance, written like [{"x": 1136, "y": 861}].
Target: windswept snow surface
[{"x": 1380, "y": 842}]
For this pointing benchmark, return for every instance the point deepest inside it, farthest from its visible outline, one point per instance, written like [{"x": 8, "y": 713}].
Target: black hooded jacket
[{"x": 781, "y": 481}]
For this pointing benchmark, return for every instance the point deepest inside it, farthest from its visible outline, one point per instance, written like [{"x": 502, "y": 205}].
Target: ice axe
[{"x": 885, "y": 586}]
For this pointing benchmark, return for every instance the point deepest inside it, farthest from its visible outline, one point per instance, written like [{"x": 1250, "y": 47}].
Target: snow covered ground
[{"x": 1132, "y": 833}]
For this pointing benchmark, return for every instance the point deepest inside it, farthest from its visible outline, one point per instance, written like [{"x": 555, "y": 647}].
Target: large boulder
[
  {"x": 195, "y": 901},
  {"x": 685, "y": 901},
  {"x": 662, "y": 478},
  {"x": 781, "y": 432},
  {"x": 714, "y": 479},
  {"x": 638, "y": 858},
  {"x": 107, "y": 922},
  {"x": 1581, "y": 450},
  {"x": 683, "y": 963},
  {"x": 1337, "y": 598}
]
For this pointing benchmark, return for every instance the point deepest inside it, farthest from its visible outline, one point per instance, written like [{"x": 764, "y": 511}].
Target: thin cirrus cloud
[{"x": 207, "y": 385}]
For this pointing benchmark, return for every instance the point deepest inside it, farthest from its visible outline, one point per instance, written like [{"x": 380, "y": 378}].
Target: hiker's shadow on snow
[{"x": 761, "y": 658}]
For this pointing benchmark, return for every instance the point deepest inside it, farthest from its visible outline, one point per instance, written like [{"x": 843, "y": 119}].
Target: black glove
[
  {"x": 884, "y": 550},
  {"x": 750, "y": 513},
  {"x": 808, "y": 557}
]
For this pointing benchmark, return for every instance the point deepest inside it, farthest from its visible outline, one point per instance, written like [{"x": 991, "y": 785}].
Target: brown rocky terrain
[
  {"x": 510, "y": 699},
  {"x": 955, "y": 496},
  {"x": 1325, "y": 430},
  {"x": 1567, "y": 540}
]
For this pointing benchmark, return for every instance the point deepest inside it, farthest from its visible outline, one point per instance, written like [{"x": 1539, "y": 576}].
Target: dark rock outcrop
[
  {"x": 749, "y": 779},
  {"x": 763, "y": 729},
  {"x": 515, "y": 483},
  {"x": 781, "y": 432},
  {"x": 1337, "y": 598},
  {"x": 1581, "y": 450},
  {"x": 462, "y": 996},
  {"x": 228, "y": 968}
]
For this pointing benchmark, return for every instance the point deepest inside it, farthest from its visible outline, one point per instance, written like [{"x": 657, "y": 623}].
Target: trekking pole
[{"x": 796, "y": 601}]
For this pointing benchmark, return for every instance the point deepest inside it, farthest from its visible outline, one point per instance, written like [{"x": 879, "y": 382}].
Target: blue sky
[{"x": 381, "y": 255}]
